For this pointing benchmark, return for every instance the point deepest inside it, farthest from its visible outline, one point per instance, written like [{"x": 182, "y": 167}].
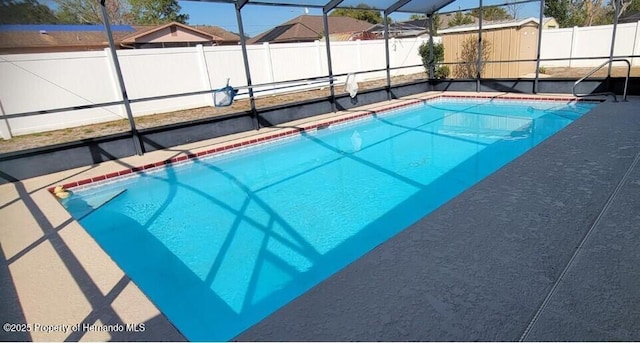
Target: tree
[
  {"x": 514, "y": 10},
  {"x": 593, "y": 11},
  {"x": 154, "y": 12},
  {"x": 437, "y": 23},
  {"x": 424, "y": 50},
  {"x": 570, "y": 13},
  {"x": 89, "y": 11},
  {"x": 469, "y": 58},
  {"x": 584, "y": 12},
  {"x": 491, "y": 13},
  {"x": 362, "y": 12},
  {"x": 26, "y": 12},
  {"x": 558, "y": 9},
  {"x": 628, "y": 7},
  {"x": 460, "y": 19}
]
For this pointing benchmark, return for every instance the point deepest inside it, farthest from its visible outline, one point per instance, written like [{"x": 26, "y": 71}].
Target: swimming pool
[{"x": 220, "y": 243}]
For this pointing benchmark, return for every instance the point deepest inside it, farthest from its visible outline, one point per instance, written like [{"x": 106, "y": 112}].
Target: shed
[{"x": 515, "y": 39}]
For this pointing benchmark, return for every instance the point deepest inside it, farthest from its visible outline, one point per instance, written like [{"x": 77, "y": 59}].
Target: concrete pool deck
[{"x": 495, "y": 263}]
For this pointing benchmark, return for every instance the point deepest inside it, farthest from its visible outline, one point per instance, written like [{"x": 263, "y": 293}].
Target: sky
[{"x": 260, "y": 18}]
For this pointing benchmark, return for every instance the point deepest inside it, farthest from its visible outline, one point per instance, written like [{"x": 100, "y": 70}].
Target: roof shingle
[
  {"x": 30, "y": 38},
  {"x": 307, "y": 28}
]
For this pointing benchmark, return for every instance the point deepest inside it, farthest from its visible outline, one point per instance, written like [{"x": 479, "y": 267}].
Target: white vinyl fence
[
  {"x": 589, "y": 41},
  {"x": 35, "y": 82}
]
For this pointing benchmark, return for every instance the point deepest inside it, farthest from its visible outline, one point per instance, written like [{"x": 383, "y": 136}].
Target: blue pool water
[{"x": 220, "y": 243}]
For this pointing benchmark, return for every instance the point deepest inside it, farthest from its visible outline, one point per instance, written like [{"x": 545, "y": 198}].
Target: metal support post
[
  {"x": 616, "y": 13},
  {"x": 325, "y": 22},
  {"x": 387, "y": 56},
  {"x": 247, "y": 71},
  {"x": 125, "y": 98},
  {"x": 479, "y": 62},
  {"x": 535, "y": 82},
  {"x": 431, "y": 47}
]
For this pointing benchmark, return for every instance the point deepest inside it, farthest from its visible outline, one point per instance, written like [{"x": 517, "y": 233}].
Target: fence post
[
  {"x": 636, "y": 46},
  {"x": 359, "y": 54},
  {"x": 5, "y": 129},
  {"x": 319, "y": 54},
  {"x": 269, "y": 63},
  {"x": 206, "y": 79},
  {"x": 573, "y": 45}
]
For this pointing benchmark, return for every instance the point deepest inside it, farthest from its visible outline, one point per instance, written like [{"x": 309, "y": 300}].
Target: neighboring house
[
  {"x": 173, "y": 35},
  {"x": 228, "y": 38},
  {"x": 17, "y": 39},
  {"x": 24, "y": 39},
  {"x": 444, "y": 21},
  {"x": 550, "y": 23},
  {"x": 398, "y": 30},
  {"x": 309, "y": 28},
  {"x": 514, "y": 39}
]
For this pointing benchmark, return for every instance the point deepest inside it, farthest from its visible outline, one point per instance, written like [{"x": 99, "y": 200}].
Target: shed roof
[{"x": 489, "y": 25}]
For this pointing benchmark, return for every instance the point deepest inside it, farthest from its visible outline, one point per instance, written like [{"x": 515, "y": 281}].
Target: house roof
[
  {"x": 82, "y": 37},
  {"x": 306, "y": 28},
  {"x": 488, "y": 25},
  {"x": 145, "y": 31},
  {"x": 400, "y": 29},
  {"x": 444, "y": 21},
  {"x": 69, "y": 28},
  {"x": 220, "y": 34},
  {"x": 67, "y": 36},
  {"x": 217, "y": 31}
]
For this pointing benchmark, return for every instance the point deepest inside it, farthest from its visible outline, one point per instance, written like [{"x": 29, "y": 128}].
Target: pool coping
[{"x": 244, "y": 143}]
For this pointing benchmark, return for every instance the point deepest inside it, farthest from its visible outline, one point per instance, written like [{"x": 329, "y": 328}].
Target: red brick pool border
[{"x": 301, "y": 129}]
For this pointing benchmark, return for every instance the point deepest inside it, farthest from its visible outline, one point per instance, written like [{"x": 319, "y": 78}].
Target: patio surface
[{"x": 543, "y": 249}]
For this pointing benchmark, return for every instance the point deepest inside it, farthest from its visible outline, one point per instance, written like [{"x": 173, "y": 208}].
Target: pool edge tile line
[{"x": 303, "y": 129}]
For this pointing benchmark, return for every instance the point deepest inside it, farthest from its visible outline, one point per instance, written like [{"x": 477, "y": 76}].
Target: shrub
[
  {"x": 442, "y": 72},
  {"x": 469, "y": 58},
  {"x": 438, "y": 56}
]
